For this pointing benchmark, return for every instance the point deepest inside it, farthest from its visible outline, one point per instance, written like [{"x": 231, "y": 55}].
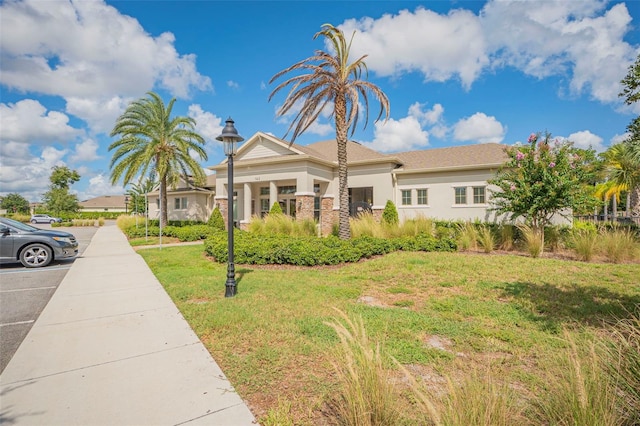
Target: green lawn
[{"x": 439, "y": 314}]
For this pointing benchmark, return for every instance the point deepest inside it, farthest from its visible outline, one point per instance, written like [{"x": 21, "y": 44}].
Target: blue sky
[{"x": 456, "y": 73}]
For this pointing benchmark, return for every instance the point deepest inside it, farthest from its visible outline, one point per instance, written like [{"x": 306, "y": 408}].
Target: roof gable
[{"x": 262, "y": 145}]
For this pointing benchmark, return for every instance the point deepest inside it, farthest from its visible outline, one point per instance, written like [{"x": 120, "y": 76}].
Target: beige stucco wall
[
  {"x": 199, "y": 206},
  {"x": 441, "y": 195}
]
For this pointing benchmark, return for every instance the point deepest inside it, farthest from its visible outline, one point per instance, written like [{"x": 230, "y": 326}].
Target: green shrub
[
  {"x": 276, "y": 209},
  {"x": 390, "y": 214},
  {"x": 309, "y": 251},
  {"x": 216, "y": 221}
]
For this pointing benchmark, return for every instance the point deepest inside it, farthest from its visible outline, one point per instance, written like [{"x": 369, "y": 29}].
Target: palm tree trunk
[
  {"x": 628, "y": 206},
  {"x": 614, "y": 214},
  {"x": 606, "y": 209},
  {"x": 344, "y": 231},
  {"x": 635, "y": 202},
  {"x": 163, "y": 201}
]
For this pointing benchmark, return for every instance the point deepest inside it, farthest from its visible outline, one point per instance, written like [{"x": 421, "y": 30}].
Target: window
[
  {"x": 479, "y": 195},
  {"x": 291, "y": 189},
  {"x": 461, "y": 195},
  {"x": 180, "y": 203},
  {"x": 264, "y": 190},
  {"x": 422, "y": 196},
  {"x": 406, "y": 197},
  {"x": 316, "y": 202},
  {"x": 264, "y": 206}
]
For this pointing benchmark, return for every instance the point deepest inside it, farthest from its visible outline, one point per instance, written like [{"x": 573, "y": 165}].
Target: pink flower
[
  {"x": 513, "y": 187},
  {"x": 519, "y": 156},
  {"x": 552, "y": 164},
  {"x": 532, "y": 137}
]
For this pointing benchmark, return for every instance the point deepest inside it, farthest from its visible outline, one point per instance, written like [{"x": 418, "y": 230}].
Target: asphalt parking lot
[{"x": 24, "y": 293}]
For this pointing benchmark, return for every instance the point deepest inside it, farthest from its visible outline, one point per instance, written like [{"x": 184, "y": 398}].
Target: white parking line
[
  {"x": 27, "y": 289},
  {"x": 17, "y": 323},
  {"x": 20, "y": 271}
]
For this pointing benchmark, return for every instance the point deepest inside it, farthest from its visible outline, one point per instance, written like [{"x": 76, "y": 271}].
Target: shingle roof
[
  {"x": 456, "y": 156},
  {"x": 105, "y": 201},
  {"x": 328, "y": 150}
]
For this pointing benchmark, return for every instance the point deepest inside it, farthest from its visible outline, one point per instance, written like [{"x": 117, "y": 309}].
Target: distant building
[{"x": 105, "y": 203}]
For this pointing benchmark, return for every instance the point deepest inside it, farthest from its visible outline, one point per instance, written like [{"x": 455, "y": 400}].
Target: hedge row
[
  {"x": 310, "y": 251},
  {"x": 183, "y": 233}
]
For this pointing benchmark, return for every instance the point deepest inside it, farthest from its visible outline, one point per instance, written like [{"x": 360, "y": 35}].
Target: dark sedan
[{"x": 33, "y": 247}]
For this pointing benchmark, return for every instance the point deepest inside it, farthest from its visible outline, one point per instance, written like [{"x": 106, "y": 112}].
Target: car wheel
[
  {"x": 52, "y": 221},
  {"x": 36, "y": 255},
  {"x": 34, "y": 221}
]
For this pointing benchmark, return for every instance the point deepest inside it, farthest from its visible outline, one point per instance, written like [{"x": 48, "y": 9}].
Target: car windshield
[{"x": 19, "y": 225}]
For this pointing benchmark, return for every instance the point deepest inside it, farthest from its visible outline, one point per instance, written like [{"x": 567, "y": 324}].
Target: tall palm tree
[
  {"x": 153, "y": 143},
  {"x": 329, "y": 79}
]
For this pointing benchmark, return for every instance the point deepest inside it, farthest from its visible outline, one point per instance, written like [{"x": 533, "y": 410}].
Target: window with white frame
[
  {"x": 479, "y": 195},
  {"x": 406, "y": 197},
  {"x": 460, "y": 195},
  {"x": 422, "y": 196},
  {"x": 180, "y": 203}
]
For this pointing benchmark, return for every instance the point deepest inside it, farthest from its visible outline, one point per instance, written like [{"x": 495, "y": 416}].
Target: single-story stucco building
[{"x": 442, "y": 183}]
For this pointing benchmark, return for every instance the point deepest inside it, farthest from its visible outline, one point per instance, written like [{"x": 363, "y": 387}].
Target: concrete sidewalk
[{"x": 111, "y": 348}]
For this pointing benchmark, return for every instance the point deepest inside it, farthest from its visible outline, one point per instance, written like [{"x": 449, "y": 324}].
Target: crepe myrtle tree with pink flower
[{"x": 543, "y": 178}]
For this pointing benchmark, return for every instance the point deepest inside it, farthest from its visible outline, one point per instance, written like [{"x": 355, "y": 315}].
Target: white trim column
[
  {"x": 247, "y": 202},
  {"x": 273, "y": 193}
]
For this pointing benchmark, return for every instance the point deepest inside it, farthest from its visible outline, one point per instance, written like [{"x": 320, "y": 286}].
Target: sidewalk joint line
[
  {"x": 108, "y": 316},
  {"x": 208, "y": 414},
  {"x": 28, "y": 289},
  {"x": 86, "y": 367}
]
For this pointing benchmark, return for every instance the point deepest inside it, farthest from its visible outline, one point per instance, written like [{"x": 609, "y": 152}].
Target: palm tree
[
  {"x": 138, "y": 193},
  {"x": 153, "y": 143},
  {"x": 623, "y": 168},
  {"x": 329, "y": 78}
]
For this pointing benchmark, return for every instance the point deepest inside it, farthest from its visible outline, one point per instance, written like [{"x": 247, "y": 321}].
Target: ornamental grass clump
[
  {"x": 532, "y": 239},
  {"x": 365, "y": 225},
  {"x": 365, "y": 396},
  {"x": 585, "y": 243},
  {"x": 467, "y": 236},
  {"x": 486, "y": 239},
  {"x": 622, "y": 362},
  {"x": 506, "y": 237},
  {"x": 618, "y": 245},
  {"x": 580, "y": 391}
]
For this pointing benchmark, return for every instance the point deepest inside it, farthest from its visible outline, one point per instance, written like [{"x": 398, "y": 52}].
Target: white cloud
[
  {"x": 585, "y": 139},
  {"x": 620, "y": 138},
  {"x": 399, "y": 135},
  {"x": 100, "y": 114},
  {"x": 233, "y": 85},
  {"x": 573, "y": 39},
  {"x": 88, "y": 49},
  {"x": 85, "y": 151},
  {"x": 26, "y": 174},
  {"x": 208, "y": 125},
  {"x": 579, "y": 41},
  {"x": 29, "y": 121},
  {"x": 100, "y": 185},
  {"x": 438, "y": 46},
  {"x": 479, "y": 128}
]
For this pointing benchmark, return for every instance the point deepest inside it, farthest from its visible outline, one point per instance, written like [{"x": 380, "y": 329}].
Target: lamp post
[
  {"x": 126, "y": 204},
  {"x": 230, "y": 139}
]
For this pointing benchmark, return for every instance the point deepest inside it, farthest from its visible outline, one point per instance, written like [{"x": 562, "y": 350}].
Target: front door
[{"x": 288, "y": 206}]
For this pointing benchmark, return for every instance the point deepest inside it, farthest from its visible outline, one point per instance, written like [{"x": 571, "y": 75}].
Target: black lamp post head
[{"x": 229, "y": 137}]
